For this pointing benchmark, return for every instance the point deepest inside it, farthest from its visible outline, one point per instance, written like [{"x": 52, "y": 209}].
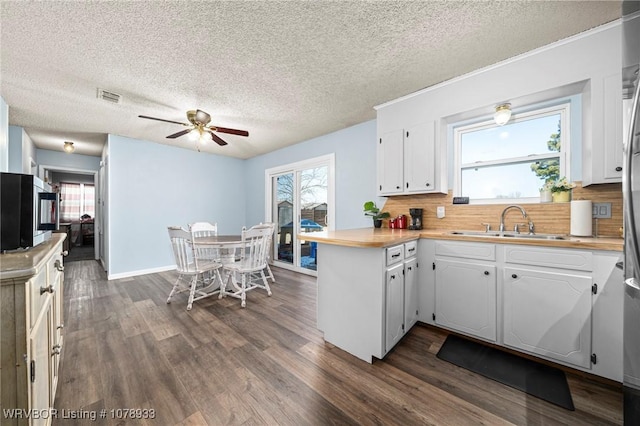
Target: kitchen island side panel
[{"x": 351, "y": 299}]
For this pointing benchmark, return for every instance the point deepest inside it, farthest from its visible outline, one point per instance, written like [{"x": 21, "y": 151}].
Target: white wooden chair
[
  {"x": 205, "y": 229},
  {"x": 189, "y": 264},
  {"x": 269, "y": 245},
  {"x": 253, "y": 260}
]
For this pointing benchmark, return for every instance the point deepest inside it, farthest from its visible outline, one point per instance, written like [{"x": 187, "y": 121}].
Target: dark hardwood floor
[{"x": 125, "y": 348}]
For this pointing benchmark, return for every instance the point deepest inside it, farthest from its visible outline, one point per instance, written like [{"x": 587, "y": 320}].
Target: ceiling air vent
[{"x": 109, "y": 96}]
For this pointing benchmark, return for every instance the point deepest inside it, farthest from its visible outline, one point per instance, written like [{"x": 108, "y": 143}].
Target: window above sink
[{"x": 510, "y": 163}]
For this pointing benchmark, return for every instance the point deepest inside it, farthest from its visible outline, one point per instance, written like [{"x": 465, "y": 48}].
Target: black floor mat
[
  {"x": 539, "y": 380},
  {"x": 80, "y": 253}
]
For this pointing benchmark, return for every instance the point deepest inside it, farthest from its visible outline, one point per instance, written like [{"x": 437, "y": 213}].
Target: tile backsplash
[{"x": 551, "y": 218}]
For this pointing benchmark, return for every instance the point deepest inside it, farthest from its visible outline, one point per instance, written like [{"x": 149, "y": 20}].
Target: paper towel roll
[{"x": 581, "y": 215}]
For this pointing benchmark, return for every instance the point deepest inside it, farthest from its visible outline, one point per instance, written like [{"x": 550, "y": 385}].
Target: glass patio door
[
  {"x": 284, "y": 202},
  {"x": 300, "y": 199}
]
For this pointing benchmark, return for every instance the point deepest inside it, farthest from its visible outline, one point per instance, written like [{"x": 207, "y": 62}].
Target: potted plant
[
  {"x": 561, "y": 190},
  {"x": 370, "y": 209},
  {"x": 545, "y": 192}
]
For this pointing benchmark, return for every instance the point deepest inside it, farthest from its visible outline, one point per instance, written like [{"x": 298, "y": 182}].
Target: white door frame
[
  {"x": 328, "y": 160},
  {"x": 43, "y": 168}
]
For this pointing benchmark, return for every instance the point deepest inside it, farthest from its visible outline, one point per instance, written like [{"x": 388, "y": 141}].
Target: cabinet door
[
  {"x": 613, "y": 131},
  {"x": 390, "y": 158},
  {"x": 419, "y": 158},
  {"x": 57, "y": 325},
  {"x": 394, "y": 306},
  {"x": 39, "y": 365},
  {"x": 548, "y": 313},
  {"x": 466, "y": 297},
  {"x": 410, "y": 293}
]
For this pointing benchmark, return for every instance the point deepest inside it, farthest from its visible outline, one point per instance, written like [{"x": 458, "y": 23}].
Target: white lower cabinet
[
  {"x": 548, "y": 313},
  {"x": 560, "y": 304},
  {"x": 465, "y": 288},
  {"x": 39, "y": 368},
  {"x": 394, "y": 305},
  {"x": 367, "y": 297},
  {"x": 401, "y": 292},
  {"x": 466, "y": 297},
  {"x": 410, "y": 293},
  {"x": 31, "y": 314}
]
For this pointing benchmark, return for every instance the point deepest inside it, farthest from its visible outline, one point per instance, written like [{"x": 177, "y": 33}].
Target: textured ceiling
[{"x": 285, "y": 71}]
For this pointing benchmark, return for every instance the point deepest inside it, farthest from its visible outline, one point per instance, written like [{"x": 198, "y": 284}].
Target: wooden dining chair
[
  {"x": 269, "y": 246},
  {"x": 205, "y": 229},
  {"x": 190, "y": 265},
  {"x": 253, "y": 261}
]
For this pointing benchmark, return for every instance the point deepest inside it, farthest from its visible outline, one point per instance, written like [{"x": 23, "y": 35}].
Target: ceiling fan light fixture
[
  {"x": 194, "y": 134},
  {"x": 502, "y": 114},
  {"x": 199, "y": 126},
  {"x": 68, "y": 147}
]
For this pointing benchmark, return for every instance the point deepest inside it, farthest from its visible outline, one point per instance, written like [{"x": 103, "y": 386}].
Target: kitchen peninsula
[{"x": 556, "y": 299}]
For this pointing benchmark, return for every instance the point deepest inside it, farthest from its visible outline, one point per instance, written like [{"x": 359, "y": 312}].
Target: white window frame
[{"x": 564, "y": 109}]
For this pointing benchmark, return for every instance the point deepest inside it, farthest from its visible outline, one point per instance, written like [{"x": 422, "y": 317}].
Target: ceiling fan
[{"x": 199, "y": 128}]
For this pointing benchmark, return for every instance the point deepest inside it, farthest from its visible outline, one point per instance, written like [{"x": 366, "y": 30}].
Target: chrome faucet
[{"x": 513, "y": 206}]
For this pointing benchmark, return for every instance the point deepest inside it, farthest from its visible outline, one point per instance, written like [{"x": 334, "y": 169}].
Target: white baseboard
[{"x": 140, "y": 272}]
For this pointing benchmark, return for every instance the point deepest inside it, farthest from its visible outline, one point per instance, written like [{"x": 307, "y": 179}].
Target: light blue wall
[
  {"x": 355, "y": 154},
  {"x": 15, "y": 149},
  {"x": 152, "y": 186},
  {"x": 67, "y": 161}
]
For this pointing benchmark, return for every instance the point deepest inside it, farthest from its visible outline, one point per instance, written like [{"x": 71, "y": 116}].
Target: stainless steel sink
[
  {"x": 536, "y": 236},
  {"x": 509, "y": 235},
  {"x": 478, "y": 233}
]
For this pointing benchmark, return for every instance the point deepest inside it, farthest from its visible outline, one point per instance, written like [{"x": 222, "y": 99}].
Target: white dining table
[{"x": 227, "y": 244}]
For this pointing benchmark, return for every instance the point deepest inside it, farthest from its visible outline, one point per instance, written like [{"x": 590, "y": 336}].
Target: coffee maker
[{"x": 416, "y": 218}]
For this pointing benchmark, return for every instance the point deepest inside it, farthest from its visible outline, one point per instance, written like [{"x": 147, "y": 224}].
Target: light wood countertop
[
  {"x": 362, "y": 237},
  {"x": 385, "y": 237},
  {"x": 28, "y": 262}
]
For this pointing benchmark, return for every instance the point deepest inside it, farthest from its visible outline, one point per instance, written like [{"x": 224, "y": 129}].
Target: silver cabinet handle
[
  {"x": 58, "y": 265},
  {"x": 47, "y": 289},
  {"x": 65, "y": 253},
  {"x": 60, "y": 327}
]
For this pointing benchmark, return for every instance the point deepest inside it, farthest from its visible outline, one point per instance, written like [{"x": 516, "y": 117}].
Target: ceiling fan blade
[
  {"x": 180, "y": 133},
  {"x": 162, "y": 119},
  {"x": 230, "y": 131},
  {"x": 218, "y": 139}
]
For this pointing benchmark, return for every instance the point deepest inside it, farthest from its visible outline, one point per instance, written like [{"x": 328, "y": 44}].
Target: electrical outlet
[
  {"x": 601, "y": 210},
  {"x": 440, "y": 212}
]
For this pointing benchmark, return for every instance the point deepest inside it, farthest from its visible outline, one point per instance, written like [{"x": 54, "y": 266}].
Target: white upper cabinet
[
  {"x": 586, "y": 66},
  {"x": 407, "y": 160},
  {"x": 419, "y": 158},
  {"x": 390, "y": 162},
  {"x": 602, "y": 153}
]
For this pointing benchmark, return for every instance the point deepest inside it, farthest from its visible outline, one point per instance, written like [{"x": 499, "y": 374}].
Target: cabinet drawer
[
  {"x": 578, "y": 260},
  {"x": 395, "y": 254},
  {"x": 410, "y": 249},
  {"x": 36, "y": 298},
  {"x": 480, "y": 251}
]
